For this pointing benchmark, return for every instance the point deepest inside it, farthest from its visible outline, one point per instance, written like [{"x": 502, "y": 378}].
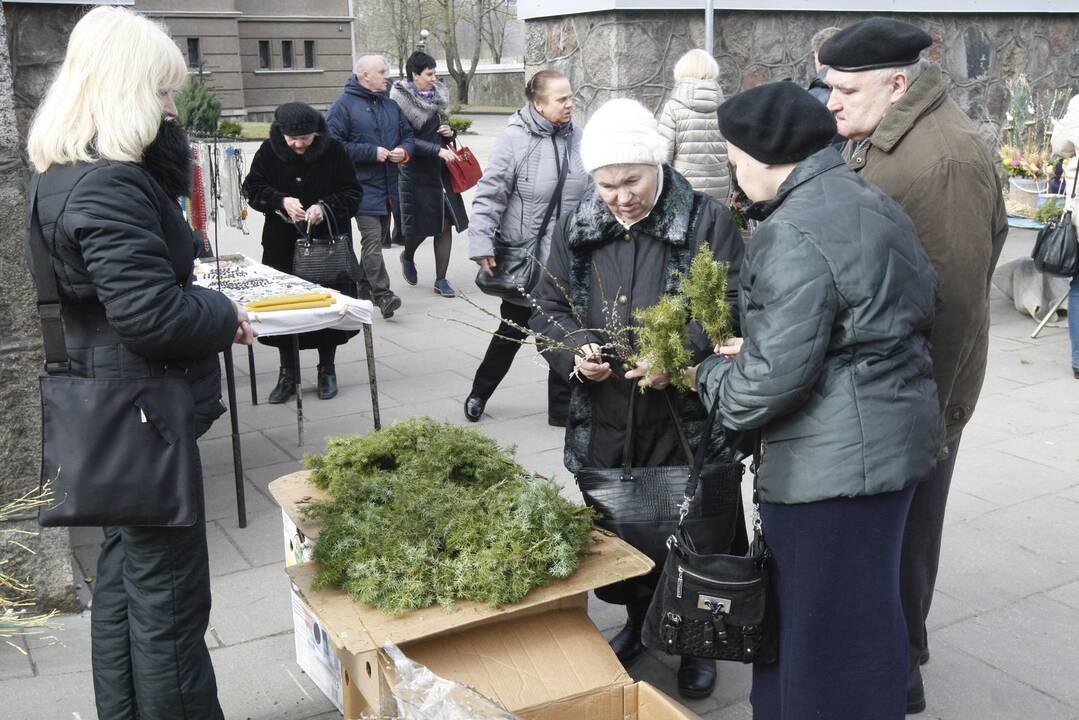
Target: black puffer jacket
[
  {"x": 123, "y": 254},
  {"x": 598, "y": 264},
  {"x": 837, "y": 300},
  {"x": 427, "y": 196}
]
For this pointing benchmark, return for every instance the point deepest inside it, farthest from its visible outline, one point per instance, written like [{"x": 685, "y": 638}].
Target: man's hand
[
  {"x": 382, "y": 154},
  {"x": 397, "y": 155},
  {"x": 447, "y": 155},
  {"x": 691, "y": 377},
  {"x": 659, "y": 382},
  {"x": 294, "y": 208},
  {"x": 445, "y": 130},
  {"x": 314, "y": 215},
  {"x": 589, "y": 363},
  {"x": 488, "y": 265},
  {"x": 730, "y": 348},
  {"x": 245, "y": 334}
]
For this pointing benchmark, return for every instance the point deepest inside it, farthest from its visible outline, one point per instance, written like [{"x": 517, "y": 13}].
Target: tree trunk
[{"x": 462, "y": 88}]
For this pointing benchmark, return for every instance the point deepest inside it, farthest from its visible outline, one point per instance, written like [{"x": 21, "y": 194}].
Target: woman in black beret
[
  {"x": 298, "y": 171},
  {"x": 836, "y": 304}
]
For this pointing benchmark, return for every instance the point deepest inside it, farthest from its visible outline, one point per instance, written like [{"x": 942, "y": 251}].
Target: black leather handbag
[
  {"x": 517, "y": 268},
  {"x": 1056, "y": 251},
  {"x": 713, "y": 605},
  {"x": 641, "y": 504},
  {"x": 328, "y": 261},
  {"x": 117, "y": 451}
]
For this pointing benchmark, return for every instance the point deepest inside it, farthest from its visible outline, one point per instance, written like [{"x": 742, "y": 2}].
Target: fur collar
[
  {"x": 285, "y": 154},
  {"x": 594, "y": 225},
  {"x": 417, "y": 108},
  {"x": 168, "y": 159}
]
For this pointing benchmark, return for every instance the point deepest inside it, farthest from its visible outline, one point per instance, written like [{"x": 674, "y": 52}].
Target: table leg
[
  {"x": 1049, "y": 315},
  {"x": 369, "y": 347},
  {"x": 251, "y": 371},
  {"x": 299, "y": 388},
  {"x": 237, "y": 458}
]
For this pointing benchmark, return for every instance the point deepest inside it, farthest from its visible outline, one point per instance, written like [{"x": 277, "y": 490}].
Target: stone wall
[
  {"x": 632, "y": 53},
  {"x": 32, "y": 42}
]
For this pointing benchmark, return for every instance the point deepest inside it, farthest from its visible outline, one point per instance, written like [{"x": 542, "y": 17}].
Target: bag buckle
[
  {"x": 61, "y": 367},
  {"x": 672, "y": 624},
  {"x": 683, "y": 509}
]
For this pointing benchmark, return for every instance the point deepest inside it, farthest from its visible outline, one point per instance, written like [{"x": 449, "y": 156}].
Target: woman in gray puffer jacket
[
  {"x": 511, "y": 201},
  {"x": 695, "y": 146}
]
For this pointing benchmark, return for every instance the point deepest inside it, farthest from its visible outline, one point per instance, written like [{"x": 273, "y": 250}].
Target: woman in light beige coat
[
  {"x": 695, "y": 147},
  {"x": 1066, "y": 143}
]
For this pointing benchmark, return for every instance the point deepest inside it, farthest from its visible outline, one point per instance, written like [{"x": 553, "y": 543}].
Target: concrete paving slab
[
  {"x": 220, "y": 491},
  {"x": 263, "y": 476},
  {"x": 64, "y": 650},
  {"x": 15, "y": 660},
  {"x": 260, "y": 543},
  {"x": 997, "y": 476},
  {"x": 1055, "y": 447},
  {"x": 256, "y": 449},
  {"x": 1004, "y": 639},
  {"x": 39, "y": 698},
  {"x": 225, "y": 558},
  {"x": 251, "y": 604}
]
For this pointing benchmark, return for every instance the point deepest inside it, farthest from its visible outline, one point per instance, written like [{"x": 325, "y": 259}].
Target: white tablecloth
[{"x": 243, "y": 280}]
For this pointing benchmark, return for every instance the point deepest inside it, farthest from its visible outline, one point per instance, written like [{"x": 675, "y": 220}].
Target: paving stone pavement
[{"x": 1004, "y": 627}]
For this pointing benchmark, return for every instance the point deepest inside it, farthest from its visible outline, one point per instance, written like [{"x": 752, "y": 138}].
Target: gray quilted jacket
[
  {"x": 695, "y": 147},
  {"x": 837, "y": 301},
  {"x": 518, "y": 182}
]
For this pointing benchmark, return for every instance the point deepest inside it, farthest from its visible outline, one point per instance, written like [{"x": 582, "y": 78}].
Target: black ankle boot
[
  {"x": 627, "y": 643},
  {"x": 696, "y": 677},
  {"x": 327, "y": 382},
  {"x": 285, "y": 388}
]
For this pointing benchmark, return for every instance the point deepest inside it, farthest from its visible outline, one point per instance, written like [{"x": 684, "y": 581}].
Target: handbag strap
[
  {"x": 556, "y": 197},
  {"x": 627, "y": 439},
  {"x": 49, "y": 308},
  {"x": 1076, "y": 181},
  {"x": 697, "y": 466},
  {"x": 331, "y": 222}
]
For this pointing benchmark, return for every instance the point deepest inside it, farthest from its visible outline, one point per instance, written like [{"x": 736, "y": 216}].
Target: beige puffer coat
[
  {"x": 695, "y": 147},
  {"x": 1065, "y": 142}
]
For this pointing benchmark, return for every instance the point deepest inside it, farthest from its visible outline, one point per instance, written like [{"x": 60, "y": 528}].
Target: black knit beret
[
  {"x": 776, "y": 123},
  {"x": 874, "y": 43},
  {"x": 297, "y": 118}
]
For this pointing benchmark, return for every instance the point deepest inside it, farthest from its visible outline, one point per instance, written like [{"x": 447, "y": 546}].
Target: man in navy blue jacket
[{"x": 378, "y": 138}]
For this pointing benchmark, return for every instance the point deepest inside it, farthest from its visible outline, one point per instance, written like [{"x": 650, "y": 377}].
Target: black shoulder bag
[
  {"x": 1056, "y": 252},
  {"x": 641, "y": 504},
  {"x": 118, "y": 451},
  {"x": 517, "y": 268},
  {"x": 328, "y": 261},
  {"x": 713, "y": 605}
]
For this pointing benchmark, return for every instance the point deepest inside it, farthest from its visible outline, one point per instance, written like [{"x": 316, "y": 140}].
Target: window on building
[
  {"x": 286, "y": 54},
  {"x": 193, "y": 55},
  {"x": 264, "y": 54},
  {"x": 309, "y": 53}
]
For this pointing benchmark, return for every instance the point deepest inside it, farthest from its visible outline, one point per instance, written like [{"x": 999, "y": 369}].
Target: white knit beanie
[{"x": 622, "y": 132}]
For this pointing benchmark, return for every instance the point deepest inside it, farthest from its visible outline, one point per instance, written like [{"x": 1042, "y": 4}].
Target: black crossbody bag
[
  {"x": 117, "y": 451},
  {"x": 713, "y": 605}
]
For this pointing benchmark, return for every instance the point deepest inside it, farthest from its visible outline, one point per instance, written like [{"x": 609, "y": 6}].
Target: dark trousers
[
  {"x": 842, "y": 639},
  {"x": 921, "y": 551},
  {"x": 500, "y": 353},
  {"x": 374, "y": 280},
  {"x": 148, "y": 621}
]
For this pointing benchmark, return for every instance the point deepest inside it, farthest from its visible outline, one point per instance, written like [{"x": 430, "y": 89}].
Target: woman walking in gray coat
[
  {"x": 519, "y": 188},
  {"x": 695, "y": 146},
  {"x": 837, "y": 299}
]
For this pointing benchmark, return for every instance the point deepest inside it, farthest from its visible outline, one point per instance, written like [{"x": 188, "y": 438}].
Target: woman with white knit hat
[{"x": 621, "y": 250}]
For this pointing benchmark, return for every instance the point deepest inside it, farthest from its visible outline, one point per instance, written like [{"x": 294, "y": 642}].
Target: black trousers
[
  {"x": 921, "y": 551},
  {"x": 499, "y": 357},
  {"x": 148, "y": 621},
  {"x": 842, "y": 638}
]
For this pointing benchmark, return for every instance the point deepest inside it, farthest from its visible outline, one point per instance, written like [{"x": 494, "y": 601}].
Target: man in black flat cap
[
  {"x": 836, "y": 301},
  {"x": 915, "y": 143}
]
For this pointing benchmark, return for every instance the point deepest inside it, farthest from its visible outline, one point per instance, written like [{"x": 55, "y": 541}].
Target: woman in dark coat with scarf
[
  {"x": 619, "y": 251},
  {"x": 300, "y": 169},
  {"x": 429, "y": 206}
]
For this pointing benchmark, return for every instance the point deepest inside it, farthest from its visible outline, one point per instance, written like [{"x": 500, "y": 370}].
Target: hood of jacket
[
  {"x": 314, "y": 151},
  {"x": 417, "y": 108},
  {"x": 703, "y": 96},
  {"x": 535, "y": 124},
  {"x": 353, "y": 87}
]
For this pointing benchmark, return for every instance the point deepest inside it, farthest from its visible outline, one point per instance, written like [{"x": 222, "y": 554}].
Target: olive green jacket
[{"x": 927, "y": 155}]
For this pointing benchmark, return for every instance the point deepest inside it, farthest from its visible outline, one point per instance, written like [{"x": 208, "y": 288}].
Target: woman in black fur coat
[{"x": 298, "y": 168}]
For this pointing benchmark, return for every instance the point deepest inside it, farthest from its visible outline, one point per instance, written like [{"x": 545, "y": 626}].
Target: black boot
[
  {"x": 327, "y": 382},
  {"x": 285, "y": 388},
  {"x": 696, "y": 677},
  {"x": 627, "y": 643}
]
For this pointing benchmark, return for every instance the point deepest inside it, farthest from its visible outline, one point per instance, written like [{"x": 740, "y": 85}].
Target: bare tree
[
  {"x": 406, "y": 19},
  {"x": 493, "y": 31},
  {"x": 475, "y": 13}
]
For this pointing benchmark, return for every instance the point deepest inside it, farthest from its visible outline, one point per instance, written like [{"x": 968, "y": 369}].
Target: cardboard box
[
  {"x": 542, "y": 658},
  {"x": 315, "y": 654}
]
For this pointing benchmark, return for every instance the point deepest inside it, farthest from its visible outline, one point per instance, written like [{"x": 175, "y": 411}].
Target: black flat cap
[
  {"x": 297, "y": 118},
  {"x": 874, "y": 43},
  {"x": 776, "y": 123}
]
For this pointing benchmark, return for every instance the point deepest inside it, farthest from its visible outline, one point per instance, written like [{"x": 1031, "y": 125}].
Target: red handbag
[{"x": 466, "y": 171}]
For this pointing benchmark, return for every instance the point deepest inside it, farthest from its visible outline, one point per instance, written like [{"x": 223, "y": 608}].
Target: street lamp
[{"x": 422, "y": 44}]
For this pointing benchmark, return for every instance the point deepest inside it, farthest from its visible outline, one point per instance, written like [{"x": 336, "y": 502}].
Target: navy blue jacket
[{"x": 364, "y": 121}]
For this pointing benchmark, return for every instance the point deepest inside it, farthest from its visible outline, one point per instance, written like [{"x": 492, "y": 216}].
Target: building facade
[{"x": 258, "y": 54}]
